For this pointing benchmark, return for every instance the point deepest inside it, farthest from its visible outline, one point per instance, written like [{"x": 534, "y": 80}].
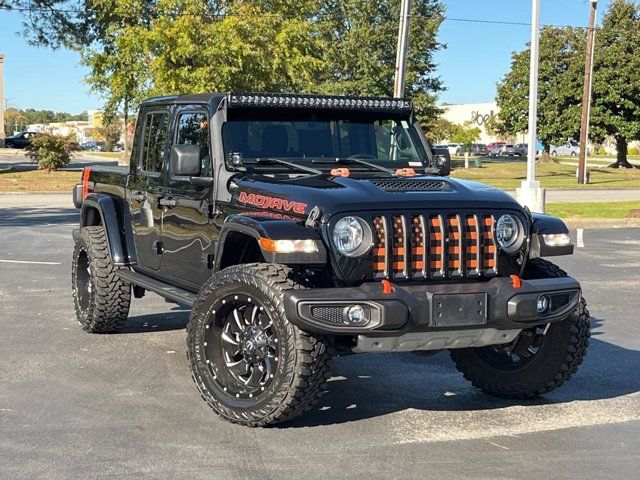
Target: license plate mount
[{"x": 458, "y": 310}]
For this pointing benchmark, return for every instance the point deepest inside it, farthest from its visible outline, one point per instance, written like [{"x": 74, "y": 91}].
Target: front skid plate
[{"x": 410, "y": 342}]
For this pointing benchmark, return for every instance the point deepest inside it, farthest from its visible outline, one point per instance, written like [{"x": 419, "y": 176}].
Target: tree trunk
[
  {"x": 126, "y": 129},
  {"x": 621, "y": 157}
]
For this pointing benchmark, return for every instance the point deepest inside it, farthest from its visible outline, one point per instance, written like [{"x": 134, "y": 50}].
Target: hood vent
[{"x": 400, "y": 186}]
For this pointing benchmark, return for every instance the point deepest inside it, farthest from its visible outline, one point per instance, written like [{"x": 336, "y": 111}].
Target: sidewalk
[{"x": 583, "y": 195}]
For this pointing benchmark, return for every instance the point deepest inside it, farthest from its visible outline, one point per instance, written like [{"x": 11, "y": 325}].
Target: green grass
[
  {"x": 583, "y": 210},
  {"x": 509, "y": 175}
]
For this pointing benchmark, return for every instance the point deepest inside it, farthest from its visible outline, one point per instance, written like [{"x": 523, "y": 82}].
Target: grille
[
  {"x": 434, "y": 246},
  {"x": 398, "y": 186},
  {"x": 328, "y": 314}
]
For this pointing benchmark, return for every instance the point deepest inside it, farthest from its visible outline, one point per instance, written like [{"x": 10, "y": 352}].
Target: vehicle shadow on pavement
[
  {"x": 176, "y": 319},
  {"x": 372, "y": 385},
  {"x": 37, "y": 216}
]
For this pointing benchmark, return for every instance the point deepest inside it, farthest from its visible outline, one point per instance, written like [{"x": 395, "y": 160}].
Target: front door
[
  {"x": 187, "y": 231},
  {"x": 145, "y": 186}
]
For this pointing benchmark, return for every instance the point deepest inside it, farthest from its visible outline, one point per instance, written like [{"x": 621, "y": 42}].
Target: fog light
[
  {"x": 356, "y": 314},
  {"x": 543, "y": 305}
]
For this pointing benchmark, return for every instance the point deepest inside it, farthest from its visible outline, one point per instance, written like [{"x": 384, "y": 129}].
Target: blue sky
[{"x": 477, "y": 54}]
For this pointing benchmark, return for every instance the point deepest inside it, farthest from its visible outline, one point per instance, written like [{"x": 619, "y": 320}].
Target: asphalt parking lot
[{"x": 80, "y": 406}]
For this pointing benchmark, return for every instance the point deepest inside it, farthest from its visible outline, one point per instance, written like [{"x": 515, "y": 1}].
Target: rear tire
[
  {"x": 250, "y": 364},
  {"x": 553, "y": 355},
  {"x": 100, "y": 297}
]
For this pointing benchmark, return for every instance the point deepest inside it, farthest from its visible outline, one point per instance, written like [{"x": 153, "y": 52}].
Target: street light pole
[
  {"x": 530, "y": 194},
  {"x": 586, "y": 95},
  {"x": 403, "y": 47}
]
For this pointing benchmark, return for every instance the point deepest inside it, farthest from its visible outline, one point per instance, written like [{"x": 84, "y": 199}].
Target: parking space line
[
  {"x": 30, "y": 263},
  {"x": 580, "y": 239}
]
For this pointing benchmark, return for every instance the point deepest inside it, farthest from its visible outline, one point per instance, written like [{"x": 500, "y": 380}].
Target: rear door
[
  {"x": 146, "y": 185},
  {"x": 188, "y": 232}
]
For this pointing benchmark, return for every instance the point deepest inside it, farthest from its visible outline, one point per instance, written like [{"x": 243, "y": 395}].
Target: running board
[{"x": 178, "y": 295}]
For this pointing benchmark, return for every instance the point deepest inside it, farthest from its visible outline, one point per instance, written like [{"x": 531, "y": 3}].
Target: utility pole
[
  {"x": 403, "y": 47},
  {"x": 530, "y": 194},
  {"x": 2, "y": 100},
  {"x": 586, "y": 95}
]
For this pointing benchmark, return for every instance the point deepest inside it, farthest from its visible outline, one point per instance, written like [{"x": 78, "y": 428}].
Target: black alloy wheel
[{"x": 241, "y": 346}]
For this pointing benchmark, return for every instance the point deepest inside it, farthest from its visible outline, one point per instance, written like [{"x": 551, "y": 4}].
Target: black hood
[{"x": 297, "y": 196}]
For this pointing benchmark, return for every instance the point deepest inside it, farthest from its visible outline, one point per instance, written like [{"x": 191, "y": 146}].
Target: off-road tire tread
[
  {"x": 577, "y": 331},
  {"x": 309, "y": 365},
  {"x": 111, "y": 296}
]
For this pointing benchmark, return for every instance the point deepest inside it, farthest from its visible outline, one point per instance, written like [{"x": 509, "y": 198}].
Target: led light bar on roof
[{"x": 284, "y": 100}]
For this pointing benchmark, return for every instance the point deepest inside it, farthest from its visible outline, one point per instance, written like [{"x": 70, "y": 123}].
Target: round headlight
[
  {"x": 351, "y": 236},
  {"x": 508, "y": 233}
]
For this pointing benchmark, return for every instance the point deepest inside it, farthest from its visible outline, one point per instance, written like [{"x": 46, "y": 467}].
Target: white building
[{"x": 476, "y": 115}]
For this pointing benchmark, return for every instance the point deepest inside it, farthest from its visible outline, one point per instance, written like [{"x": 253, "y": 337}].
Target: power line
[{"x": 52, "y": 10}]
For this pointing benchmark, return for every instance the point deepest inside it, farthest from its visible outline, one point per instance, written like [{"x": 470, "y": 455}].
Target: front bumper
[{"x": 494, "y": 304}]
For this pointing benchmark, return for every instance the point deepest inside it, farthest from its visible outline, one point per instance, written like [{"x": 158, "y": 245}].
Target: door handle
[
  {"x": 139, "y": 197},
  {"x": 167, "y": 202}
]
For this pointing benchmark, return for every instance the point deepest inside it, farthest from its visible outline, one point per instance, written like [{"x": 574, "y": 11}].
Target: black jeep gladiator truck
[{"x": 299, "y": 227}]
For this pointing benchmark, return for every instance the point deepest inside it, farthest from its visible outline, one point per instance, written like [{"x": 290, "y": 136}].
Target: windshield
[{"x": 385, "y": 142}]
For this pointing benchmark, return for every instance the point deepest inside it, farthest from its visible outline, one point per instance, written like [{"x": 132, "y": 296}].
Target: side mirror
[
  {"x": 185, "y": 160},
  {"x": 442, "y": 160}
]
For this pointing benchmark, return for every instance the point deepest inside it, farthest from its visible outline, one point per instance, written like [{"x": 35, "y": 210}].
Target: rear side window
[{"x": 154, "y": 142}]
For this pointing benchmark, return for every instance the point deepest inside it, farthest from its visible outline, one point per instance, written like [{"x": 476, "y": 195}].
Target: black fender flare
[
  {"x": 274, "y": 229},
  {"x": 117, "y": 227},
  {"x": 545, "y": 225}
]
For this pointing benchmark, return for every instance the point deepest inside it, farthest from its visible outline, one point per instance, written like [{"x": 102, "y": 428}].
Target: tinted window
[
  {"x": 155, "y": 140},
  {"x": 193, "y": 130},
  {"x": 378, "y": 141}
]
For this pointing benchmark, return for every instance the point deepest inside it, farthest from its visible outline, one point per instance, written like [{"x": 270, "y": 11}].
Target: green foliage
[
  {"x": 440, "y": 130},
  {"x": 562, "y": 52},
  {"x": 110, "y": 134},
  {"x": 633, "y": 151},
  {"x": 135, "y": 48},
  {"x": 616, "y": 83},
  {"x": 17, "y": 119},
  {"x": 51, "y": 152},
  {"x": 465, "y": 135}
]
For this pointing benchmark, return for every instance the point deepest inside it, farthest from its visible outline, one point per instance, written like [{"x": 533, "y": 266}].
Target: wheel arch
[
  {"x": 105, "y": 210},
  {"x": 240, "y": 242}
]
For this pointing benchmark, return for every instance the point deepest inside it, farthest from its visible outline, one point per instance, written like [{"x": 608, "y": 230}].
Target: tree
[
  {"x": 465, "y": 135},
  {"x": 110, "y": 133},
  {"x": 51, "y": 152},
  {"x": 561, "y": 71},
  {"x": 175, "y": 46},
  {"x": 616, "y": 83}
]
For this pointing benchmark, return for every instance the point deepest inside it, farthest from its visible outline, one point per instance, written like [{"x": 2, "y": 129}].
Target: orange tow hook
[
  {"x": 517, "y": 282},
  {"x": 387, "y": 288}
]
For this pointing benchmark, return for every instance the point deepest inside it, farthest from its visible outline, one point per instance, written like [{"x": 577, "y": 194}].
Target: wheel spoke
[
  {"x": 229, "y": 339},
  {"x": 239, "y": 323},
  {"x": 241, "y": 367},
  {"x": 255, "y": 377}
]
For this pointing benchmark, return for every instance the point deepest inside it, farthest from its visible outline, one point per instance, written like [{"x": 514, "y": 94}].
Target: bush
[
  {"x": 633, "y": 151},
  {"x": 50, "y": 152},
  {"x": 602, "y": 151}
]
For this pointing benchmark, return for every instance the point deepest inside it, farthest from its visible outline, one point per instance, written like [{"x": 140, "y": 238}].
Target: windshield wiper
[
  {"x": 357, "y": 161},
  {"x": 302, "y": 168}
]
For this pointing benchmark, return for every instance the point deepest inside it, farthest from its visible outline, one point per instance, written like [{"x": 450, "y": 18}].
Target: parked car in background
[
  {"x": 479, "y": 150},
  {"x": 521, "y": 149},
  {"x": 19, "y": 140},
  {"x": 565, "y": 150},
  {"x": 507, "y": 151},
  {"x": 93, "y": 146},
  {"x": 495, "y": 148},
  {"x": 453, "y": 148}
]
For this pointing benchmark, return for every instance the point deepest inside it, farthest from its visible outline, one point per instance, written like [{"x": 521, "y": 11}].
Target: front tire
[
  {"x": 249, "y": 363},
  {"x": 100, "y": 297},
  {"x": 539, "y": 360}
]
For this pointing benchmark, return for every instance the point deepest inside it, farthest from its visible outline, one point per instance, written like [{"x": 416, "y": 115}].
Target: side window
[
  {"x": 193, "y": 129},
  {"x": 154, "y": 142}
]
